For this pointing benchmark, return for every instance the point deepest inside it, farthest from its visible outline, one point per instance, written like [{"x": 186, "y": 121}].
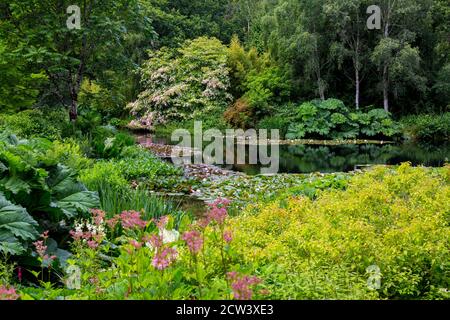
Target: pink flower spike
[
  {"x": 40, "y": 247},
  {"x": 193, "y": 240},
  {"x": 162, "y": 222},
  {"x": 132, "y": 219},
  {"x": 92, "y": 244},
  {"x": 99, "y": 216},
  {"x": 135, "y": 244},
  {"x": 155, "y": 241},
  {"x": 112, "y": 222},
  {"x": 203, "y": 222},
  {"x": 241, "y": 285},
  {"x": 228, "y": 236},
  {"x": 163, "y": 259},
  {"x": 218, "y": 214},
  {"x": 8, "y": 293}
]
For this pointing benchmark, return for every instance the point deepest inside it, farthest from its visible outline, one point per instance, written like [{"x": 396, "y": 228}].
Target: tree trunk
[
  {"x": 357, "y": 66},
  {"x": 73, "y": 112},
  {"x": 357, "y": 84},
  {"x": 321, "y": 90},
  {"x": 386, "y": 88},
  {"x": 386, "y": 65},
  {"x": 320, "y": 85}
]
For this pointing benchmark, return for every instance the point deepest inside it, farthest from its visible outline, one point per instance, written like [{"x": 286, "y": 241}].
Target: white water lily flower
[{"x": 169, "y": 236}]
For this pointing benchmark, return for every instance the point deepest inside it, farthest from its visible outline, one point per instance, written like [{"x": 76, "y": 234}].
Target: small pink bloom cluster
[
  {"x": 193, "y": 240},
  {"x": 162, "y": 222},
  {"x": 98, "y": 216},
  {"x": 8, "y": 294},
  {"x": 218, "y": 211},
  {"x": 41, "y": 249},
  {"x": 164, "y": 258},
  {"x": 154, "y": 240},
  {"x": 135, "y": 244},
  {"x": 241, "y": 285},
  {"x": 94, "y": 234},
  {"x": 228, "y": 236},
  {"x": 92, "y": 240},
  {"x": 131, "y": 220}
]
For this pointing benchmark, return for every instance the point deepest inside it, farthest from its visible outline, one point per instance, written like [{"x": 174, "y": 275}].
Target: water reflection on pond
[
  {"x": 344, "y": 158},
  {"x": 341, "y": 158}
]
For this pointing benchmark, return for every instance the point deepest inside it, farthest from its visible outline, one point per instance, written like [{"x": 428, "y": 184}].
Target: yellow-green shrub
[{"x": 395, "y": 219}]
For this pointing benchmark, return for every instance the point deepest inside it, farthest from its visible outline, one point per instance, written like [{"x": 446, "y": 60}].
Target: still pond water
[{"x": 343, "y": 158}]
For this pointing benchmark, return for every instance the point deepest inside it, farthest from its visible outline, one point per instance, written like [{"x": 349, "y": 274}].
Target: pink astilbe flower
[
  {"x": 164, "y": 258},
  {"x": 135, "y": 244},
  {"x": 90, "y": 232},
  {"x": 132, "y": 220},
  {"x": 92, "y": 244},
  {"x": 161, "y": 223},
  {"x": 194, "y": 241},
  {"x": 40, "y": 247},
  {"x": 218, "y": 211},
  {"x": 8, "y": 293},
  {"x": 228, "y": 236},
  {"x": 154, "y": 241},
  {"x": 203, "y": 222},
  {"x": 79, "y": 235},
  {"x": 113, "y": 222},
  {"x": 242, "y": 285},
  {"x": 99, "y": 216}
]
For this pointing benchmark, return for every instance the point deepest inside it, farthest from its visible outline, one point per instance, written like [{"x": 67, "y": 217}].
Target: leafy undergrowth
[
  {"x": 386, "y": 236},
  {"x": 389, "y": 227},
  {"x": 39, "y": 189},
  {"x": 135, "y": 166},
  {"x": 126, "y": 257}
]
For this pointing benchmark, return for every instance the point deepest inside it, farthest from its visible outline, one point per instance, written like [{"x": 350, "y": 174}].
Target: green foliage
[
  {"x": 241, "y": 63},
  {"x": 257, "y": 82},
  {"x": 104, "y": 47},
  {"x": 48, "y": 123},
  {"x": 183, "y": 83},
  {"x": 442, "y": 86},
  {"x": 395, "y": 219},
  {"x": 115, "y": 201},
  {"x": 16, "y": 227},
  {"x": 108, "y": 103},
  {"x": 107, "y": 143},
  {"x": 134, "y": 166},
  {"x": 427, "y": 128},
  {"x": 18, "y": 88},
  {"x": 280, "y": 122},
  {"x": 35, "y": 185},
  {"x": 265, "y": 89},
  {"x": 332, "y": 119}
]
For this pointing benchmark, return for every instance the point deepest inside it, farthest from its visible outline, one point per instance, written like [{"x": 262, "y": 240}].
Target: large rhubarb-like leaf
[
  {"x": 16, "y": 226},
  {"x": 78, "y": 202}
]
